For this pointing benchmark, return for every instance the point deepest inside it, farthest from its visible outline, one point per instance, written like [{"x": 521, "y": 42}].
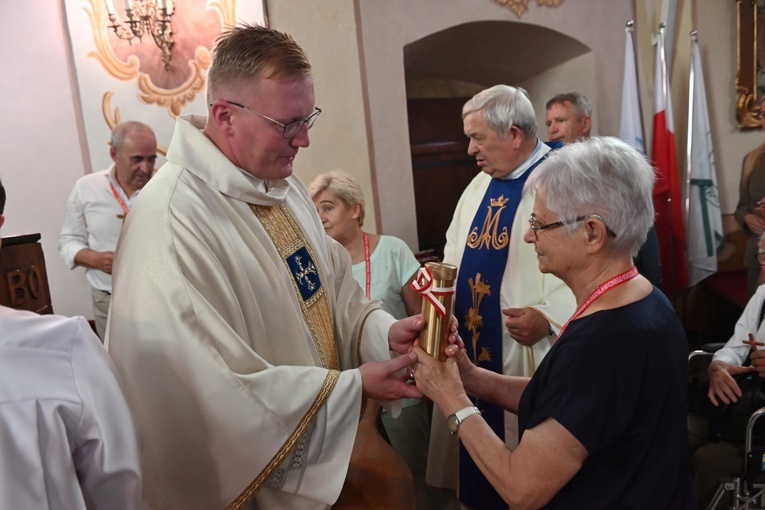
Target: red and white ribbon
[{"x": 424, "y": 284}]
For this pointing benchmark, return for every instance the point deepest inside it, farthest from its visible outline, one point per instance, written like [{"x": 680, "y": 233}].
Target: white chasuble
[{"x": 237, "y": 327}]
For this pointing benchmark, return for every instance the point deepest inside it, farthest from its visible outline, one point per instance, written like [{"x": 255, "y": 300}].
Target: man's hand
[
  {"x": 526, "y": 325},
  {"x": 104, "y": 261},
  {"x": 402, "y": 334},
  {"x": 722, "y": 385},
  {"x": 380, "y": 381},
  {"x": 755, "y": 223},
  {"x": 101, "y": 260},
  {"x": 758, "y": 361}
]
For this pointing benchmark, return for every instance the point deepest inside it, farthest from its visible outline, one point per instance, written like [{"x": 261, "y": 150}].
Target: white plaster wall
[
  {"x": 386, "y": 27},
  {"x": 327, "y": 32},
  {"x": 576, "y": 75},
  {"x": 39, "y": 138}
]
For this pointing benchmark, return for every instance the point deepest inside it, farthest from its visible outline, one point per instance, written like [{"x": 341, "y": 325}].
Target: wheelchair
[{"x": 746, "y": 491}]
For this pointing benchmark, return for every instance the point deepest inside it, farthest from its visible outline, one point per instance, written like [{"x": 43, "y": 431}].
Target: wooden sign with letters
[{"x": 23, "y": 280}]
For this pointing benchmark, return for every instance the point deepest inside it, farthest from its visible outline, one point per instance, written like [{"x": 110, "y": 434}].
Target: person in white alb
[
  {"x": 97, "y": 208},
  {"x": 245, "y": 344},
  {"x": 67, "y": 436}
]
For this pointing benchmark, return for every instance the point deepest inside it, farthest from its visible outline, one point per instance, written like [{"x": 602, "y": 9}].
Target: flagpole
[
  {"x": 631, "y": 28},
  {"x": 631, "y": 128},
  {"x": 665, "y": 93},
  {"x": 689, "y": 141},
  {"x": 668, "y": 17}
]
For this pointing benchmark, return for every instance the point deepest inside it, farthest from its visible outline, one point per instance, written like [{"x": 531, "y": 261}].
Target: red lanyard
[
  {"x": 367, "y": 265},
  {"x": 119, "y": 200},
  {"x": 610, "y": 284}
]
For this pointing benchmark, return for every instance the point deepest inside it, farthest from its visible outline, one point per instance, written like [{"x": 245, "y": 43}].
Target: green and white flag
[{"x": 703, "y": 218}]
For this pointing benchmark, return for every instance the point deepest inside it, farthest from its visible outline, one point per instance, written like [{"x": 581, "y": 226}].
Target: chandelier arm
[{"x": 145, "y": 17}]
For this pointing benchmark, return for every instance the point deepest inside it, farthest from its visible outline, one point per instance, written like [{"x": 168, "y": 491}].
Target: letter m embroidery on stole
[{"x": 490, "y": 235}]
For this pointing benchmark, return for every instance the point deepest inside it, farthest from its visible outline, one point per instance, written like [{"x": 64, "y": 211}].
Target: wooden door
[{"x": 441, "y": 167}]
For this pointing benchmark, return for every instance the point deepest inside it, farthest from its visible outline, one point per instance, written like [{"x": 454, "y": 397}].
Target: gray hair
[
  {"x": 120, "y": 132},
  {"x": 249, "y": 52},
  {"x": 345, "y": 187},
  {"x": 602, "y": 176},
  {"x": 503, "y": 107},
  {"x": 580, "y": 103}
]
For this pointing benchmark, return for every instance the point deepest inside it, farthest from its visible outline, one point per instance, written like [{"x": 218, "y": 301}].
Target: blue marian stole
[{"x": 481, "y": 323}]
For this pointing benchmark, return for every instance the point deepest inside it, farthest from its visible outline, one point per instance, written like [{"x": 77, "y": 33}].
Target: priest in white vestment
[{"x": 245, "y": 344}]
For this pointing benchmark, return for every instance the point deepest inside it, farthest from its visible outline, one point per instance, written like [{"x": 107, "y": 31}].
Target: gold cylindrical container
[{"x": 437, "y": 306}]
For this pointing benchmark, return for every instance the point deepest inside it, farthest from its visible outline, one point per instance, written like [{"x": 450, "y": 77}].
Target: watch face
[{"x": 454, "y": 423}]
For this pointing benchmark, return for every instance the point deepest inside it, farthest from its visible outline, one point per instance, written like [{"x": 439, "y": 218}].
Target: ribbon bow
[{"x": 424, "y": 285}]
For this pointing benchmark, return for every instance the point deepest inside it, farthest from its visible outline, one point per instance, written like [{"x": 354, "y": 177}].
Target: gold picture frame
[{"x": 751, "y": 53}]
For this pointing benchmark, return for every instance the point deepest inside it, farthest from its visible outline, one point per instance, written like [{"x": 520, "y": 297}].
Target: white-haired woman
[{"x": 602, "y": 421}]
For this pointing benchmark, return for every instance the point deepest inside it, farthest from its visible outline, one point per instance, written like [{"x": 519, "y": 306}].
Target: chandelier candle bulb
[{"x": 436, "y": 283}]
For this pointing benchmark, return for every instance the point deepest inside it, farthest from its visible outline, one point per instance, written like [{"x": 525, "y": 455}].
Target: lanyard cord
[
  {"x": 367, "y": 266},
  {"x": 119, "y": 199},
  {"x": 602, "y": 289}
]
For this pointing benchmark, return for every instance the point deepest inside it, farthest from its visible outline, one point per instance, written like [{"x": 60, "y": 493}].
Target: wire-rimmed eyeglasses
[
  {"x": 290, "y": 129},
  {"x": 536, "y": 226}
]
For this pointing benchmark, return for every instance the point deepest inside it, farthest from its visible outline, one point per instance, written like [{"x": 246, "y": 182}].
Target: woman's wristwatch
[{"x": 456, "y": 419}]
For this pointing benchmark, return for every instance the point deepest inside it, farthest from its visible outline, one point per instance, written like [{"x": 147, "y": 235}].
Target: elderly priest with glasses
[{"x": 245, "y": 344}]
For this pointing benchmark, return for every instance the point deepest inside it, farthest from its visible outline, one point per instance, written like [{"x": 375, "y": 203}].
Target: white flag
[
  {"x": 703, "y": 217},
  {"x": 631, "y": 129}
]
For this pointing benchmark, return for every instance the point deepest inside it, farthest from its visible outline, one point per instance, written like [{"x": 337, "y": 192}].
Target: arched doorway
[{"x": 446, "y": 68}]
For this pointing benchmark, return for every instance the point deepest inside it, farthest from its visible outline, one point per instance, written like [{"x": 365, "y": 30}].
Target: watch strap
[{"x": 462, "y": 415}]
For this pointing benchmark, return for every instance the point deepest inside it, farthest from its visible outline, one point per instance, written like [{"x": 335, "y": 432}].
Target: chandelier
[{"x": 146, "y": 17}]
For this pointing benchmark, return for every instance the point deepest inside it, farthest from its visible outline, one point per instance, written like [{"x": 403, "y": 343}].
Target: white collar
[{"x": 538, "y": 153}]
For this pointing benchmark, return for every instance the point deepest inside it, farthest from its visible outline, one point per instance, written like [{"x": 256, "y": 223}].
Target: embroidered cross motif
[
  {"x": 301, "y": 276},
  {"x": 304, "y": 272}
]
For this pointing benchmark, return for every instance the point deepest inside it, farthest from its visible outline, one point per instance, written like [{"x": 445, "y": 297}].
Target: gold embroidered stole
[
  {"x": 290, "y": 243},
  {"x": 288, "y": 240}
]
